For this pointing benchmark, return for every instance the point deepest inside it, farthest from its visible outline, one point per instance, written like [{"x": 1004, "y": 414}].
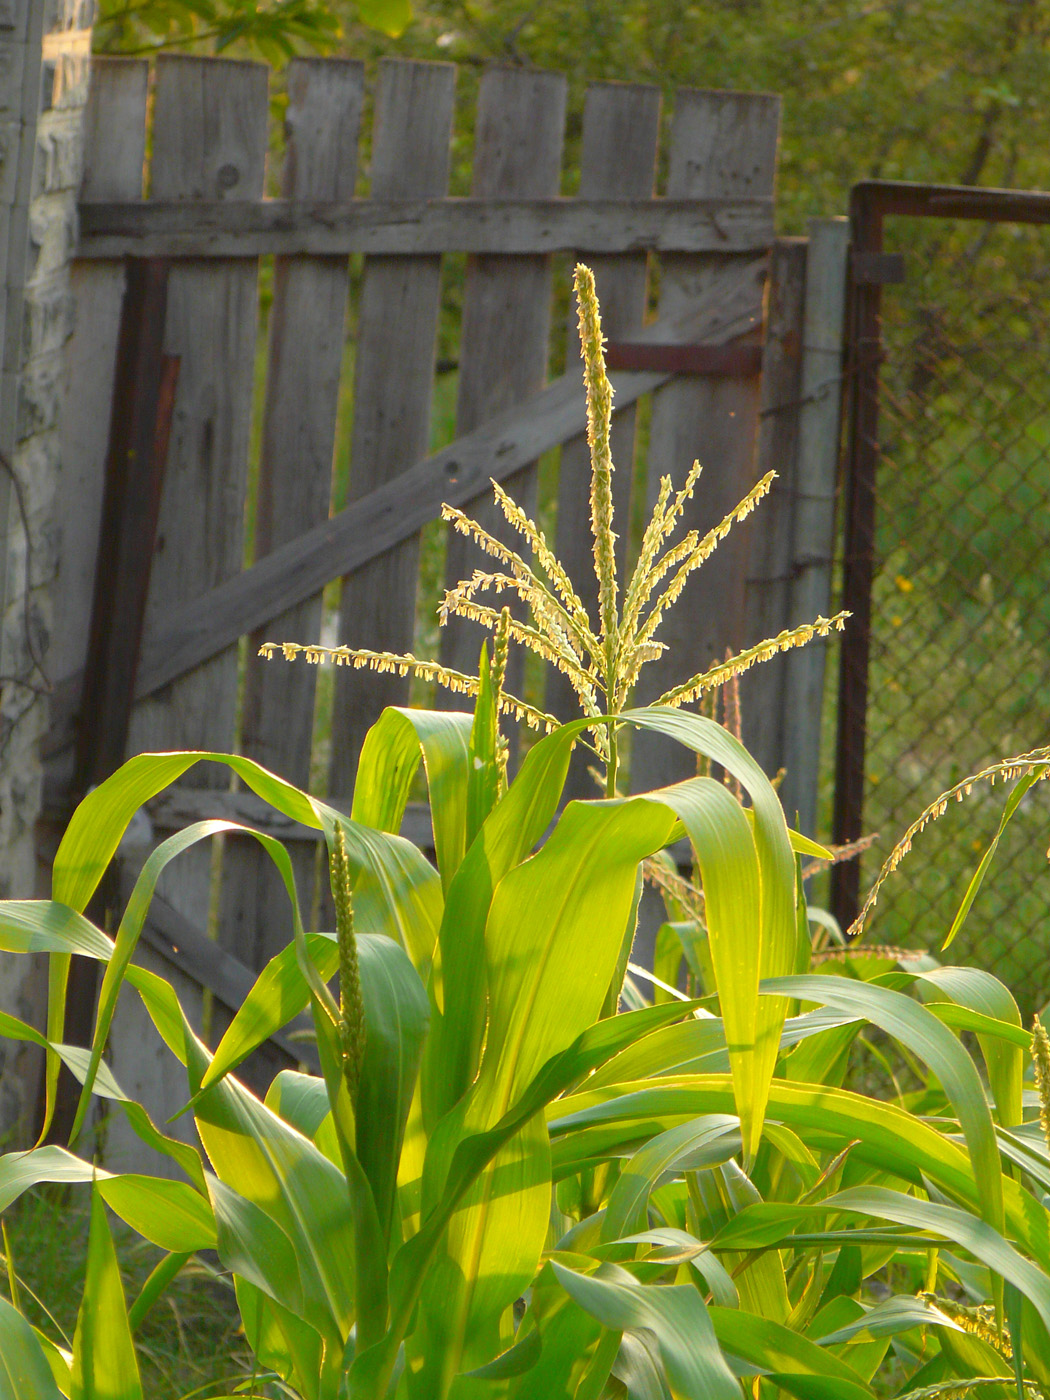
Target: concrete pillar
[{"x": 44, "y": 66}]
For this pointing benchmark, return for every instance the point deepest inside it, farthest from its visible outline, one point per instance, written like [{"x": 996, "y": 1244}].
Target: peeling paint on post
[{"x": 45, "y": 54}]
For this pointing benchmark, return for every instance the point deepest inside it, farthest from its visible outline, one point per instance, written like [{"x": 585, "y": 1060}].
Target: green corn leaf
[
  {"x": 127, "y": 939},
  {"x": 717, "y": 1195},
  {"x": 1012, "y": 804},
  {"x": 104, "y": 1362},
  {"x": 515, "y": 1361},
  {"x": 397, "y": 1014},
  {"x": 731, "y": 876},
  {"x": 271, "y": 1165},
  {"x": 916, "y": 1027},
  {"x": 804, "y": 846},
  {"x": 569, "y": 1341},
  {"x": 254, "y": 1247},
  {"x": 637, "y": 1367},
  {"x": 278, "y": 995},
  {"x": 592, "y": 1047},
  {"x": 77, "y": 1060},
  {"x": 764, "y": 1225},
  {"x": 48, "y": 926},
  {"x": 24, "y": 1368},
  {"x": 678, "y": 1246},
  {"x": 280, "y": 1341},
  {"x": 689, "y": 1351},
  {"x": 888, "y": 1318},
  {"x": 389, "y": 758},
  {"x": 767, "y": 1344},
  {"x": 542, "y": 995},
  {"x": 824, "y": 1118},
  {"x": 300, "y": 1099},
  {"x": 458, "y": 990},
  {"x": 58, "y": 1358},
  {"x": 161, "y": 1276},
  {"x": 694, "y": 1045},
  {"x": 977, "y": 989},
  {"x": 704, "y": 1142},
  {"x": 395, "y": 889},
  {"x": 171, "y": 1214},
  {"x": 754, "y": 1055}
]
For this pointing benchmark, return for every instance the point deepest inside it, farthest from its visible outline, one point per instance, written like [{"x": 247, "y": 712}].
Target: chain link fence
[{"x": 959, "y": 671}]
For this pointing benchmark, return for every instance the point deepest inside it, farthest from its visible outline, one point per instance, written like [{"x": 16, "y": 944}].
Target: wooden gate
[{"x": 240, "y": 541}]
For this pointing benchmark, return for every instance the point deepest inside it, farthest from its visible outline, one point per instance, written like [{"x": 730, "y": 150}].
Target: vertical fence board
[
  {"x": 814, "y": 516},
  {"x": 621, "y": 129},
  {"x": 115, "y": 144},
  {"x": 307, "y": 325},
  {"x": 769, "y": 573},
  {"x": 506, "y": 305},
  {"x": 393, "y": 383},
  {"x": 722, "y": 144},
  {"x": 209, "y": 141}
]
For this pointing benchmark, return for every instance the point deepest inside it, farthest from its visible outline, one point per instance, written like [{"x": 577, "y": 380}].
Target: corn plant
[{"x": 499, "y": 1185}]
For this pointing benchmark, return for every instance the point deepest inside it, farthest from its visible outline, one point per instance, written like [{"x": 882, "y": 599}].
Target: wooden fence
[{"x": 739, "y": 367}]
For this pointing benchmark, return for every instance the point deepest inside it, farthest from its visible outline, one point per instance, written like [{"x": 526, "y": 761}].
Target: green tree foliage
[
  {"x": 272, "y": 30},
  {"x": 935, "y": 90}
]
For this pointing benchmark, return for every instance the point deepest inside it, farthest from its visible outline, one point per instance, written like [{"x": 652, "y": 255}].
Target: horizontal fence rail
[{"x": 403, "y": 228}]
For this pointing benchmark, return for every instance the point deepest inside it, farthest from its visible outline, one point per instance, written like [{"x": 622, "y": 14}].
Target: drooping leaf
[
  {"x": 913, "y": 1024},
  {"x": 754, "y": 1060},
  {"x": 676, "y": 1315},
  {"x": 389, "y": 758}
]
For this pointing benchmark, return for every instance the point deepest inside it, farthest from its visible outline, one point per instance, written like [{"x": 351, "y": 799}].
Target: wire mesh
[{"x": 960, "y": 636}]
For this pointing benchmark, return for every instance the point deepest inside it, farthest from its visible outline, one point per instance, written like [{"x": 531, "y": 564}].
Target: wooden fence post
[
  {"x": 505, "y": 339},
  {"x": 770, "y": 528},
  {"x": 400, "y": 303},
  {"x": 307, "y": 340},
  {"x": 814, "y": 515},
  {"x": 722, "y": 144}
]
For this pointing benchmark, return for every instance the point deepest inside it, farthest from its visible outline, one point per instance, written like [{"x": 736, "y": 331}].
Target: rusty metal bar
[
  {"x": 863, "y": 330},
  {"x": 715, "y": 361}
]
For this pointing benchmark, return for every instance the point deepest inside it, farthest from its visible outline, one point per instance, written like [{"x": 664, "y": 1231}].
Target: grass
[{"x": 189, "y": 1343}]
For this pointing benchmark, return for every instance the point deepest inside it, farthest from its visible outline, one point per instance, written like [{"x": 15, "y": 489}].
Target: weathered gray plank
[
  {"x": 769, "y": 570},
  {"x": 203, "y": 626},
  {"x": 209, "y": 139},
  {"x": 621, "y": 129},
  {"x": 393, "y": 383},
  {"x": 813, "y": 543},
  {"x": 307, "y": 326},
  {"x": 193, "y": 954},
  {"x": 178, "y": 806},
  {"x": 722, "y": 144},
  {"x": 115, "y": 143},
  {"x": 505, "y": 335},
  {"x": 592, "y": 223}
]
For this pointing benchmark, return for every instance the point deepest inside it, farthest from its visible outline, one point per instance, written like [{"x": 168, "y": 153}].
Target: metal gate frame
[{"x": 870, "y": 267}]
